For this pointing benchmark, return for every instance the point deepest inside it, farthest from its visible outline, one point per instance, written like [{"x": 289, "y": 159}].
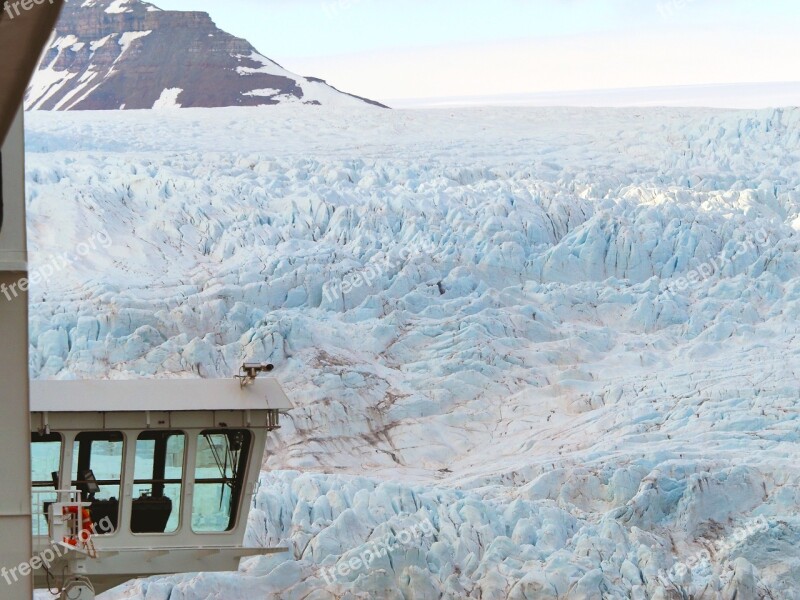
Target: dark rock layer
[{"x": 108, "y": 54}]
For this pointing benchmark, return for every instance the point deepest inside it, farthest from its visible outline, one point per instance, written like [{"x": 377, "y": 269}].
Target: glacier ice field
[{"x": 567, "y": 339}]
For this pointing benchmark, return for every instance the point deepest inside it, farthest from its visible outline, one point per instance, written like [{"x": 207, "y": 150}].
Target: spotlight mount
[{"x": 250, "y": 370}]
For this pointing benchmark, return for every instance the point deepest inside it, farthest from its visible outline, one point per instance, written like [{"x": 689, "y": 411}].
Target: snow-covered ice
[
  {"x": 567, "y": 337},
  {"x": 168, "y": 99}
]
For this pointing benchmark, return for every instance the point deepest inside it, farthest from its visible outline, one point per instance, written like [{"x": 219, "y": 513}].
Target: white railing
[{"x": 41, "y": 520}]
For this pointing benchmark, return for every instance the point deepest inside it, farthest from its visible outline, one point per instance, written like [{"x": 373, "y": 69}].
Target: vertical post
[
  {"x": 126, "y": 481},
  {"x": 189, "y": 468},
  {"x": 15, "y": 468}
]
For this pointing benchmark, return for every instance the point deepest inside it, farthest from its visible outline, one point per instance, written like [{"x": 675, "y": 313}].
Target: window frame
[
  {"x": 42, "y": 484},
  {"x": 54, "y": 436},
  {"x": 237, "y": 494},
  {"x": 182, "y": 481},
  {"x": 122, "y": 481}
]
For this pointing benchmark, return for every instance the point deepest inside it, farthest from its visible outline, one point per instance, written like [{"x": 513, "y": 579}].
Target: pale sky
[{"x": 402, "y": 49}]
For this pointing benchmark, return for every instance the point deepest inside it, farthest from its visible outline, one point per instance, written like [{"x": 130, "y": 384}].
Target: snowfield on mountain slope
[{"x": 564, "y": 338}]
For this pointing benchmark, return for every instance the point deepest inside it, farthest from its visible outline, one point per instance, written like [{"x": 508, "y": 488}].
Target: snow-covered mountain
[
  {"x": 113, "y": 54},
  {"x": 566, "y": 338}
]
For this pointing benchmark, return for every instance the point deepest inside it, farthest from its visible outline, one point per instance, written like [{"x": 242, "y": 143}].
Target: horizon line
[{"x": 669, "y": 95}]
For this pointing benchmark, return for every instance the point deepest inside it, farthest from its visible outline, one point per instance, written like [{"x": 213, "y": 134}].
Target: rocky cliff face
[{"x": 129, "y": 54}]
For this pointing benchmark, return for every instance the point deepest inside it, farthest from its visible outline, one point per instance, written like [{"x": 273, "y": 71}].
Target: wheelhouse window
[
  {"x": 45, "y": 467},
  {"x": 221, "y": 465},
  {"x": 97, "y": 468},
  {"x": 157, "y": 484}
]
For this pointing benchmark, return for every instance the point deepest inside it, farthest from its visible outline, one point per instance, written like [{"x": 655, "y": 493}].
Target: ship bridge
[{"x": 144, "y": 477}]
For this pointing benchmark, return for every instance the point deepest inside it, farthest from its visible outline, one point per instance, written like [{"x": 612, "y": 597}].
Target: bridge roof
[{"x": 140, "y": 395}]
